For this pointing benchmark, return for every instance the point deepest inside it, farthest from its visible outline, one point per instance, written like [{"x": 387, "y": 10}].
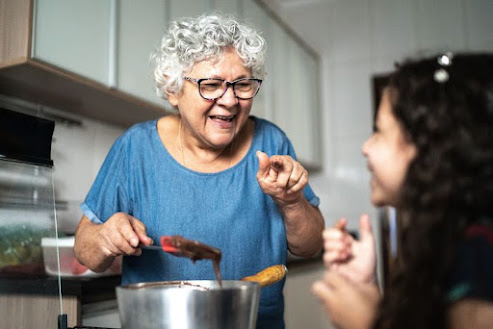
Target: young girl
[{"x": 431, "y": 157}]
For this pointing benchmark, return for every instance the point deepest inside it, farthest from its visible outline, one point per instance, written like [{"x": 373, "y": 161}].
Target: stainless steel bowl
[{"x": 198, "y": 304}]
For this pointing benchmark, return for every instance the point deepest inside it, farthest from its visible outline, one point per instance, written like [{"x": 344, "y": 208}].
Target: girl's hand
[
  {"x": 354, "y": 259},
  {"x": 350, "y": 305}
]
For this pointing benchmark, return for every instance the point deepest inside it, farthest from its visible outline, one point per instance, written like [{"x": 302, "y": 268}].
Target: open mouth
[{"x": 228, "y": 118}]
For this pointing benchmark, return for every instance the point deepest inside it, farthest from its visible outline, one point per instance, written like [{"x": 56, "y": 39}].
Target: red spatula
[{"x": 181, "y": 247}]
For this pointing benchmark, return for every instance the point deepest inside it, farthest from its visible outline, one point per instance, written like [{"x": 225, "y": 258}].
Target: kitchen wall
[
  {"x": 78, "y": 152},
  {"x": 355, "y": 40}
]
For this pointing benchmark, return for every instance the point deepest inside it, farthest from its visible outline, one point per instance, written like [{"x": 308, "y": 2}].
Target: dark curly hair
[{"x": 449, "y": 184}]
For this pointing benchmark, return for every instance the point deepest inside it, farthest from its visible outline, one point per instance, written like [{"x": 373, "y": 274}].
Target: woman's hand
[
  {"x": 350, "y": 305},
  {"x": 96, "y": 246},
  {"x": 354, "y": 259},
  {"x": 121, "y": 234},
  {"x": 281, "y": 177}
]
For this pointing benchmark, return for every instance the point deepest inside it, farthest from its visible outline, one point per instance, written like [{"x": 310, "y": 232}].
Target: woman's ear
[{"x": 172, "y": 99}]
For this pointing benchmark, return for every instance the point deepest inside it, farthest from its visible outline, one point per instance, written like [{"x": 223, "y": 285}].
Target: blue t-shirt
[{"x": 227, "y": 210}]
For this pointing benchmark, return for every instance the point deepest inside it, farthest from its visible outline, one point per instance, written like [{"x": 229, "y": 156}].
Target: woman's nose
[{"x": 229, "y": 98}]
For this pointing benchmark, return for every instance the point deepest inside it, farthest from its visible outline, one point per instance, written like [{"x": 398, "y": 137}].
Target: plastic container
[{"x": 69, "y": 265}]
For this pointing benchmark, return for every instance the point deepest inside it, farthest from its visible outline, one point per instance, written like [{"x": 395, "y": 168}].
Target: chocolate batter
[{"x": 195, "y": 250}]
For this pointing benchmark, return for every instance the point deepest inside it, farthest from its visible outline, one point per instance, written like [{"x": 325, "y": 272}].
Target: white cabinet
[
  {"x": 107, "y": 41},
  {"x": 181, "y": 8},
  {"x": 227, "y": 6},
  {"x": 78, "y": 36},
  {"x": 107, "y": 44},
  {"x": 252, "y": 12},
  {"x": 73, "y": 35},
  {"x": 140, "y": 28},
  {"x": 290, "y": 91},
  {"x": 62, "y": 54}
]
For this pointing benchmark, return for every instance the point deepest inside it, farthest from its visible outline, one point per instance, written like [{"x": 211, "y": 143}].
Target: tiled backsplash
[{"x": 77, "y": 153}]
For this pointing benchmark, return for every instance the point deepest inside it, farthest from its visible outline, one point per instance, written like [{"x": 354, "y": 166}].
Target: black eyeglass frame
[{"x": 232, "y": 84}]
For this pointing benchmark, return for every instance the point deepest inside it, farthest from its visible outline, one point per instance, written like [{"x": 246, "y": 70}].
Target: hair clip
[{"x": 441, "y": 75}]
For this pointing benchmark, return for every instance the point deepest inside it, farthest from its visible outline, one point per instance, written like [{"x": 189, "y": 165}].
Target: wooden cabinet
[
  {"x": 60, "y": 66},
  {"x": 34, "y": 302},
  {"x": 31, "y": 311}
]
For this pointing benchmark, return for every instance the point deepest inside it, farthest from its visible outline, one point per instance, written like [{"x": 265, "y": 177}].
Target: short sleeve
[
  {"x": 109, "y": 192},
  {"x": 473, "y": 272}
]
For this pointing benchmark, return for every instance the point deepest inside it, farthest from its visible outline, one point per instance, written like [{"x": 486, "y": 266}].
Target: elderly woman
[{"x": 211, "y": 172}]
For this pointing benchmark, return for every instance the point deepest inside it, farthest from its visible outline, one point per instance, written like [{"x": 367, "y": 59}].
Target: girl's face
[
  {"x": 388, "y": 155},
  {"x": 213, "y": 124}
]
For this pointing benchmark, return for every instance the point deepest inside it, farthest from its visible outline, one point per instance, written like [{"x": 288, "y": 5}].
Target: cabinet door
[
  {"x": 140, "y": 29},
  {"x": 73, "y": 35},
  {"x": 304, "y": 123},
  {"x": 295, "y": 97},
  {"x": 256, "y": 15},
  {"x": 227, "y": 6},
  {"x": 182, "y": 8}
]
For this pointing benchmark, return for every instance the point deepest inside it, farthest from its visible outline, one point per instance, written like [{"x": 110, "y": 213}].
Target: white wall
[
  {"x": 77, "y": 153},
  {"x": 355, "y": 40}
]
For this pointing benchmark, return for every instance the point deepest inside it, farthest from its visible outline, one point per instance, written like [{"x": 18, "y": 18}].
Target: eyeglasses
[{"x": 212, "y": 88}]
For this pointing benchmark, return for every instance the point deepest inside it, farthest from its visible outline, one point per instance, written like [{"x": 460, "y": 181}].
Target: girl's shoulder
[{"x": 473, "y": 267}]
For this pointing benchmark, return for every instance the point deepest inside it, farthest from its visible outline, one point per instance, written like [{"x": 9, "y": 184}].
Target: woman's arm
[
  {"x": 97, "y": 245},
  {"x": 304, "y": 225},
  {"x": 283, "y": 179}
]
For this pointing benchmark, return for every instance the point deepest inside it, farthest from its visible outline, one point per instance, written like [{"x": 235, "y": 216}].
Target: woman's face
[
  {"x": 213, "y": 124},
  {"x": 388, "y": 156}
]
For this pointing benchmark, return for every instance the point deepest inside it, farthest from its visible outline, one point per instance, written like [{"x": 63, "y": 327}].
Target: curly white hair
[{"x": 190, "y": 40}]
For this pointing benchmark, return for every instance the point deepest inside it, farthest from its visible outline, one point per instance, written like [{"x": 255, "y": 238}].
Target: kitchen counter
[
  {"x": 33, "y": 301},
  {"x": 88, "y": 289},
  {"x": 300, "y": 263}
]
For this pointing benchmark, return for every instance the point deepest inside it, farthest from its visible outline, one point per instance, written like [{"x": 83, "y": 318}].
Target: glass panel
[{"x": 28, "y": 297}]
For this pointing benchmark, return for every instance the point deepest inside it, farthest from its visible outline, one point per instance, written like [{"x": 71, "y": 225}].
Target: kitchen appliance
[
  {"x": 27, "y": 214},
  {"x": 200, "y": 304},
  {"x": 196, "y": 304},
  {"x": 27, "y": 208}
]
